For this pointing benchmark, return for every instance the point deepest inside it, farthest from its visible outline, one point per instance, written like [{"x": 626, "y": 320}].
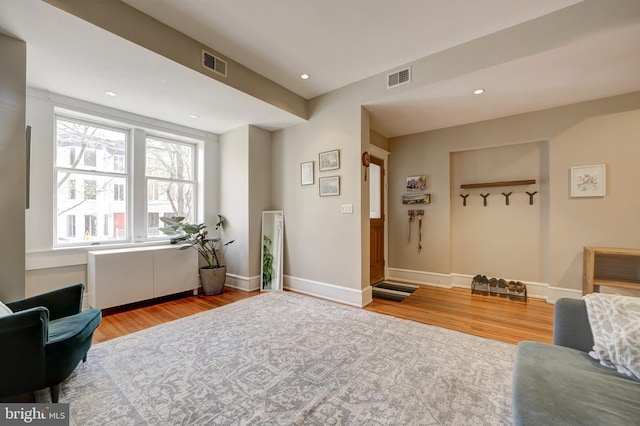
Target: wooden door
[{"x": 376, "y": 219}]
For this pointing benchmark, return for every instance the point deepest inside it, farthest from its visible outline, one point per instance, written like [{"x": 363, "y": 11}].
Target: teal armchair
[{"x": 44, "y": 340}]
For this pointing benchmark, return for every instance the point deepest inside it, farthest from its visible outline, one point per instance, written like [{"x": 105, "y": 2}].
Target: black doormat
[{"x": 394, "y": 292}]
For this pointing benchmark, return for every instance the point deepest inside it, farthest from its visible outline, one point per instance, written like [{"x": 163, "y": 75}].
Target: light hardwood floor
[
  {"x": 487, "y": 316},
  {"x": 493, "y": 317}
]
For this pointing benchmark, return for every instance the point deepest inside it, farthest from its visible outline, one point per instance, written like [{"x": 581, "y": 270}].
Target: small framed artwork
[
  {"x": 329, "y": 160},
  {"x": 416, "y": 183},
  {"x": 306, "y": 173},
  {"x": 416, "y": 199},
  {"x": 588, "y": 181},
  {"x": 329, "y": 186}
]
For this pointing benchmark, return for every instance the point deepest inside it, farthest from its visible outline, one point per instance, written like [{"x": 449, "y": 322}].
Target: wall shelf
[
  {"x": 494, "y": 184},
  {"x": 610, "y": 267}
]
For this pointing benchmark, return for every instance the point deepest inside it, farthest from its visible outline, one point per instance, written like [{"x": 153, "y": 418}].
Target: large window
[{"x": 96, "y": 171}]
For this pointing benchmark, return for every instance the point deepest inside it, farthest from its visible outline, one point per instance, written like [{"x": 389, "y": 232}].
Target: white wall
[{"x": 12, "y": 166}]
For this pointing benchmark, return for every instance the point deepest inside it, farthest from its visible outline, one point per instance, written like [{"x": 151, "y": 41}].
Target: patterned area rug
[{"x": 288, "y": 359}]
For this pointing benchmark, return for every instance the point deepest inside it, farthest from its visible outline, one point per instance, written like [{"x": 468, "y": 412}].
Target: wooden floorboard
[
  {"x": 493, "y": 317},
  {"x": 125, "y": 320}
]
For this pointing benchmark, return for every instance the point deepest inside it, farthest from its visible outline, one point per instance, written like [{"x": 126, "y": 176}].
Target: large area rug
[{"x": 288, "y": 359}]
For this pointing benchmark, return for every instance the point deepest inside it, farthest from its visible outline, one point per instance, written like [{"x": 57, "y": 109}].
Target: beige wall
[
  {"x": 602, "y": 131},
  {"x": 610, "y": 221},
  {"x": 497, "y": 240},
  {"x": 12, "y": 166},
  {"x": 245, "y": 180},
  {"x": 259, "y": 192},
  {"x": 323, "y": 246},
  {"x": 234, "y": 198},
  {"x": 378, "y": 140}
]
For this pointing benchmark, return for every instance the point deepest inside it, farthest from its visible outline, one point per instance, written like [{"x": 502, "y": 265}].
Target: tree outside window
[
  {"x": 95, "y": 176},
  {"x": 170, "y": 170},
  {"x": 85, "y": 176}
]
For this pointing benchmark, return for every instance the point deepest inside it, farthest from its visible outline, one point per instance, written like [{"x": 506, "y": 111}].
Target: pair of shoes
[{"x": 516, "y": 286}]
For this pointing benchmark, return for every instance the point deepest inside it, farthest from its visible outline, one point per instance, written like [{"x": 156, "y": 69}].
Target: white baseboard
[
  {"x": 556, "y": 293},
  {"x": 243, "y": 283},
  {"x": 534, "y": 289},
  {"x": 348, "y": 296},
  {"x": 420, "y": 277}
]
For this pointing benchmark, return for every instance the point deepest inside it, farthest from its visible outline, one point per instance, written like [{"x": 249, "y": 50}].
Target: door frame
[{"x": 382, "y": 154}]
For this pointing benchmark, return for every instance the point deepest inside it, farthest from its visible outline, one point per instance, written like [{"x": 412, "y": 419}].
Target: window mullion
[{"x": 139, "y": 183}]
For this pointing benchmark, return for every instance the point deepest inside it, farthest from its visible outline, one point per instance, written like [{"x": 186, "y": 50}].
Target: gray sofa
[{"x": 561, "y": 384}]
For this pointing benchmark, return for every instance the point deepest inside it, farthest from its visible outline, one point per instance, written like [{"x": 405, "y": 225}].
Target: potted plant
[
  {"x": 267, "y": 263},
  {"x": 213, "y": 274}
]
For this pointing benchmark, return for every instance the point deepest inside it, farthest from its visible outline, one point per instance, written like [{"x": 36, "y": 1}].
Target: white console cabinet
[{"x": 121, "y": 276}]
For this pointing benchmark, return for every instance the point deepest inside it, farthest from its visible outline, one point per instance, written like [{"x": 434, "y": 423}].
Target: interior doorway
[{"x": 376, "y": 220}]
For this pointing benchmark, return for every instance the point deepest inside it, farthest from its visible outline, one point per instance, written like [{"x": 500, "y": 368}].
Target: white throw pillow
[{"x": 4, "y": 310}]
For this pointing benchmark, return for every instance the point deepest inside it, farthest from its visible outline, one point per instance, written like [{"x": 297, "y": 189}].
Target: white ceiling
[{"x": 337, "y": 42}]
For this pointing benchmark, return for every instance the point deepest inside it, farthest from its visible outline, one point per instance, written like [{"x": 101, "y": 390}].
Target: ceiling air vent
[
  {"x": 399, "y": 77},
  {"x": 214, "y": 63}
]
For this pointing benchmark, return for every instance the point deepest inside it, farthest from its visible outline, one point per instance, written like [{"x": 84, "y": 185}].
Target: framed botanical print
[
  {"x": 588, "y": 181},
  {"x": 306, "y": 173},
  {"x": 329, "y": 160},
  {"x": 329, "y": 186}
]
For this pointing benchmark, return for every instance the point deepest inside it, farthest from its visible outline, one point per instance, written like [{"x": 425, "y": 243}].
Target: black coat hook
[
  {"x": 484, "y": 201},
  {"x": 506, "y": 197},
  {"x": 464, "y": 200},
  {"x": 531, "y": 194}
]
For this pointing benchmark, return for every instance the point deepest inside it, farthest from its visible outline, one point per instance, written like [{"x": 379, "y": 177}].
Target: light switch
[{"x": 347, "y": 209}]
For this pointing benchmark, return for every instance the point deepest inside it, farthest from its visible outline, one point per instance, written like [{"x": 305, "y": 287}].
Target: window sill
[{"x": 73, "y": 256}]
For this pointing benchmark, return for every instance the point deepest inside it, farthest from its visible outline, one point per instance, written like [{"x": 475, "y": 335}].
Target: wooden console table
[{"x": 610, "y": 267}]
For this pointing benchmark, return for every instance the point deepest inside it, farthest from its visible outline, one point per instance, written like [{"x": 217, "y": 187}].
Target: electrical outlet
[{"x": 347, "y": 209}]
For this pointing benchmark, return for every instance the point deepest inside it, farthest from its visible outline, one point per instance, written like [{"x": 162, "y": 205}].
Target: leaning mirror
[{"x": 272, "y": 230}]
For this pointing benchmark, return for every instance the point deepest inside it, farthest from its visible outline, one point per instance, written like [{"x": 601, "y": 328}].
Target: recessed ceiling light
[
  {"x": 193, "y": 116},
  {"x": 304, "y": 76},
  {"x": 478, "y": 91},
  {"x": 110, "y": 93}
]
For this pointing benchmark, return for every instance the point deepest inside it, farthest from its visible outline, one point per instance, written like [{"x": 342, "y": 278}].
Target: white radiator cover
[{"x": 121, "y": 276}]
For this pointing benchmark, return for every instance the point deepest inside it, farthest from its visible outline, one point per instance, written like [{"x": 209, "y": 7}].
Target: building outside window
[
  {"x": 71, "y": 226},
  {"x": 86, "y": 187},
  {"x": 118, "y": 192},
  {"x": 96, "y": 171},
  {"x": 171, "y": 183},
  {"x": 71, "y": 185},
  {"x": 90, "y": 226},
  {"x": 90, "y": 189}
]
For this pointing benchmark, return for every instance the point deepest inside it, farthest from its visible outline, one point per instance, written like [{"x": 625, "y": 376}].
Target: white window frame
[
  {"x": 193, "y": 181},
  {"x": 135, "y": 172}
]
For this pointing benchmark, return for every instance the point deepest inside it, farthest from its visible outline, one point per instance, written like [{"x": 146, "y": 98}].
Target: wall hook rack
[{"x": 412, "y": 218}]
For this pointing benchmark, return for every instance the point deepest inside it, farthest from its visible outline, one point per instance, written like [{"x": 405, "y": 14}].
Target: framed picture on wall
[
  {"x": 329, "y": 186},
  {"x": 329, "y": 160},
  {"x": 416, "y": 199},
  {"x": 588, "y": 181},
  {"x": 306, "y": 173},
  {"x": 417, "y": 183}
]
